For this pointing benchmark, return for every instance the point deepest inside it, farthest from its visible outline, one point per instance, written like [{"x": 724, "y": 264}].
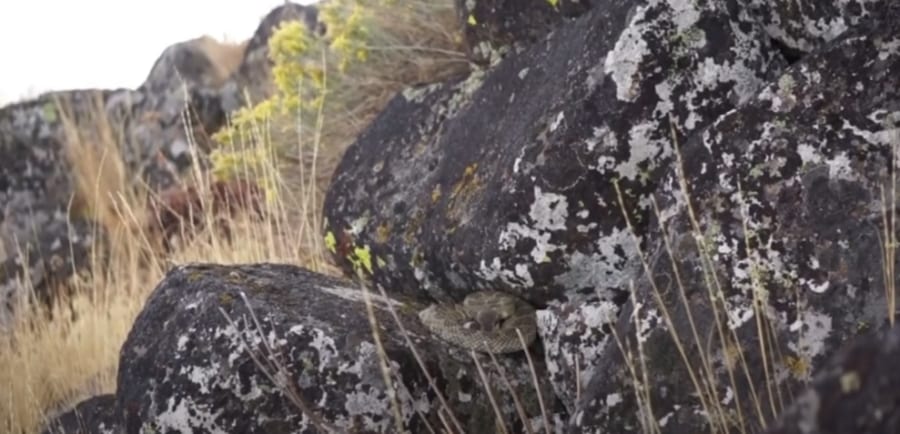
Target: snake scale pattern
[{"x": 485, "y": 321}]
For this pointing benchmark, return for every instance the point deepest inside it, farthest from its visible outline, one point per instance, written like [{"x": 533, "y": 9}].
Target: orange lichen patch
[
  {"x": 151, "y": 116},
  {"x": 436, "y": 194},
  {"x": 181, "y": 211},
  {"x": 468, "y": 183},
  {"x": 797, "y": 366},
  {"x": 382, "y": 233},
  {"x": 462, "y": 191}
]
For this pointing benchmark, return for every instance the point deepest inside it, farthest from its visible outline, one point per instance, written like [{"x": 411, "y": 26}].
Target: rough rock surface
[
  {"x": 505, "y": 180},
  {"x": 803, "y": 25},
  {"x": 185, "y": 364},
  {"x": 40, "y": 224},
  {"x": 92, "y": 416},
  {"x": 492, "y": 26},
  {"x": 857, "y": 391},
  {"x": 786, "y": 193},
  {"x": 58, "y": 252},
  {"x": 185, "y": 80}
]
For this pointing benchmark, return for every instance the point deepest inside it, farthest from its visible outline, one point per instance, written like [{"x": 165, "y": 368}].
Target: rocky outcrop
[
  {"x": 748, "y": 250},
  {"x": 182, "y": 102},
  {"x": 856, "y": 391},
  {"x": 178, "y": 104},
  {"x": 201, "y": 355},
  {"x": 505, "y": 181},
  {"x": 779, "y": 259},
  {"x": 40, "y": 223}
]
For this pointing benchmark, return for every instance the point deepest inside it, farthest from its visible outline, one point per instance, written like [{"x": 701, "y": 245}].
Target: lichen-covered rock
[
  {"x": 573, "y": 8},
  {"x": 35, "y": 178},
  {"x": 492, "y": 26},
  {"x": 38, "y": 189},
  {"x": 184, "y": 84},
  {"x": 94, "y": 415},
  {"x": 505, "y": 180},
  {"x": 857, "y": 391},
  {"x": 42, "y": 267},
  {"x": 785, "y": 261},
  {"x": 188, "y": 366},
  {"x": 253, "y": 75},
  {"x": 801, "y": 26},
  {"x": 45, "y": 234}
]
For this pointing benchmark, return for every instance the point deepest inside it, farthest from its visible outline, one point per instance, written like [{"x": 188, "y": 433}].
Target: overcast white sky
[{"x": 67, "y": 44}]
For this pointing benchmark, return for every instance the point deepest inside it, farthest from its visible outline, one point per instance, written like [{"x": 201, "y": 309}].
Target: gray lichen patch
[{"x": 804, "y": 25}]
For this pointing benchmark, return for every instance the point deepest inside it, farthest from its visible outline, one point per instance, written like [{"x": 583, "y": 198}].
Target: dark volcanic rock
[
  {"x": 40, "y": 224},
  {"x": 92, "y": 416},
  {"x": 505, "y": 181},
  {"x": 573, "y": 8},
  {"x": 491, "y": 26},
  {"x": 185, "y": 366},
  {"x": 801, "y": 26},
  {"x": 857, "y": 391},
  {"x": 41, "y": 269},
  {"x": 785, "y": 263}
]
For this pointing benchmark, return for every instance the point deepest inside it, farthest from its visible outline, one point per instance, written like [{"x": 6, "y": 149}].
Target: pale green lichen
[
  {"x": 49, "y": 112},
  {"x": 362, "y": 259},
  {"x": 330, "y": 242}
]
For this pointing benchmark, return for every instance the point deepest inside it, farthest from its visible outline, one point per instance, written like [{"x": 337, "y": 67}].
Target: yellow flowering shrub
[{"x": 327, "y": 87}]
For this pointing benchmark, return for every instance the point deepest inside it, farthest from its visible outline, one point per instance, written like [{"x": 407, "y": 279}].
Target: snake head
[{"x": 487, "y": 320}]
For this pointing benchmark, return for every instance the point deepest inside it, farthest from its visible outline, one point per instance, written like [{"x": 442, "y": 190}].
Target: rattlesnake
[{"x": 485, "y": 321}]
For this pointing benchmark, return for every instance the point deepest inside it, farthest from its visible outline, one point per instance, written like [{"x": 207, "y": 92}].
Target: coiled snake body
[{"x": 485, "y": 321}]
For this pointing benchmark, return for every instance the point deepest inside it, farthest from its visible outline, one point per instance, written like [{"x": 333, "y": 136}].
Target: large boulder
[
  {"x": 505, "y": 180},
  {"x": 767, "y": 253},
  {"x": 298, "y": 351}
]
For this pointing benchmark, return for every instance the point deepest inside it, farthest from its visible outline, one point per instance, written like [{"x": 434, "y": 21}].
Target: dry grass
[
  {"x": 723, "y": 340},
  {"x": 48, "y": 365}
]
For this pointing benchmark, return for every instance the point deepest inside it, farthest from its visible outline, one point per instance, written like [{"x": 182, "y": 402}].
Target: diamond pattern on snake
[{"x": 485, "y": 321}]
